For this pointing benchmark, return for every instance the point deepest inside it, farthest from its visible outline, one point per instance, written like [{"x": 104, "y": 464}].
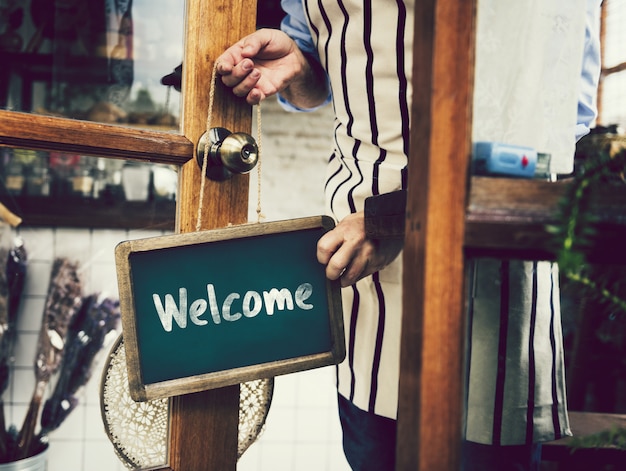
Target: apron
[{"x": 516, "y": 387}]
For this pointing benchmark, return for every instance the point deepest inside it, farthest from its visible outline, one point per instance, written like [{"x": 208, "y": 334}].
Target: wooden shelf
[
  {"x": 91, "y": 213},
  {"x": 584, "y": 424},
  {"x": 506, "y": 220}
]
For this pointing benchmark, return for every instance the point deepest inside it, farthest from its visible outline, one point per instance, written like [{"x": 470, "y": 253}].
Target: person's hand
[
  {"x": 349, "y": 255},
  {"x": 261, "y": 64},
  {"x": 267, "y": 62}
]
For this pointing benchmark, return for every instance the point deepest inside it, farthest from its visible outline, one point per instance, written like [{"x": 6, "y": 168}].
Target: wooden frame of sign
[{"x": 209, "y": 309}]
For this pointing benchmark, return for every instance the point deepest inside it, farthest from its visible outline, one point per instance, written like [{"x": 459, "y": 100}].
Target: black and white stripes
[
  {"x": 516, "y": 391},
  {"x": 363, "y": 46},
  {"x": 516, "y": 385}
]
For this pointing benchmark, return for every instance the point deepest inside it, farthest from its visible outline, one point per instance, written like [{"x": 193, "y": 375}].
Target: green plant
[
  {"x": 573, "y": 234},
  {"x": 576, "y": 228},
  {"x": 615, "y": 437}
]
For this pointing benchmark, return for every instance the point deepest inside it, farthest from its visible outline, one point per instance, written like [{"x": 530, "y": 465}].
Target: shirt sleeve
[
  {"x": 590, "y": 75},
  {"x": 294, "y": 24}
]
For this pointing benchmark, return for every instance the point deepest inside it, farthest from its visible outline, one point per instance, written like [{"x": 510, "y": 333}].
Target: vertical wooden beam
[
  {"x": 203, "y": 426},
  {"x": 432, "y": 359}
]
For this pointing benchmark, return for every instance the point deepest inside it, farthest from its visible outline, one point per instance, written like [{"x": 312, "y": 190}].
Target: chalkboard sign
[{"x": 209, "y": 309}]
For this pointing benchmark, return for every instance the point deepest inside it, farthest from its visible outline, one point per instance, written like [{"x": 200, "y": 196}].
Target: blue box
[{"x": 495, "y": 158}]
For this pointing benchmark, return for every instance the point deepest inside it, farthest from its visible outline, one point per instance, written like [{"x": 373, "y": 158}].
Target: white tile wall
[
  {"x": 302, "y": 430},
  {"x": 81, "y": 442}
]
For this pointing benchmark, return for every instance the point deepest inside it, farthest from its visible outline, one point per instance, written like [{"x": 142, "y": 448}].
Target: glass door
[
  {"x": 115, "y": 62},
  {"x": 89, "y": 94}
]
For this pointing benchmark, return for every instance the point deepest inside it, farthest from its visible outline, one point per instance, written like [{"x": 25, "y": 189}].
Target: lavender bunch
[
  {"x": 85, "y": 338},
  {"x": 16, "y": 276},
  {"x": 11, "y": 287},
  {"x": 62, "y": 300}
]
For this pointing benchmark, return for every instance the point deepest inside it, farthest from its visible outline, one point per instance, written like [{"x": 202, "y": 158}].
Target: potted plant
[{"x": 599, "y": 288}]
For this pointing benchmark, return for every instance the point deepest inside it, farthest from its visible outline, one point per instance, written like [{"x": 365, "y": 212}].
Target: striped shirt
[
  {"x": 516, "y": 390},
  {"x": 368, "y": 60}
]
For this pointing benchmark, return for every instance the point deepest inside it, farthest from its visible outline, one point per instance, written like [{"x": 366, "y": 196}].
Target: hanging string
[
  {"x": 205, "y": 159},
  {"x": 259, "y": 215}
]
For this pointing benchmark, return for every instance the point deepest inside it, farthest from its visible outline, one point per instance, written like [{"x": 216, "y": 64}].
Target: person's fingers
[
  {"x": 224, "y": 64},
  {"x": 234, "y": 73},
  {"x": 327, "y": 245},
  {"x": 333, "y": 252},
  {"x": 337, "y": 265},
  {"x": 228, "y": 59},
  {"x": 247, "y": 83},
  {"x": 251, "y": 46},
  {"x": 255, "y": 96},
  {"x": 354, "y": 271},
  {"x": 345, "y": 262},
  {"x": 349, "y": 256}
]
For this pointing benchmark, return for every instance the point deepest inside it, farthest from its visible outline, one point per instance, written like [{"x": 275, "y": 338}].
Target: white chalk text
[{"x": 233, "y": 308}]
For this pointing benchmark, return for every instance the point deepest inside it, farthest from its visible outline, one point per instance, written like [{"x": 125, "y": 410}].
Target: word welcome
[{"x": 232, "y": 309}]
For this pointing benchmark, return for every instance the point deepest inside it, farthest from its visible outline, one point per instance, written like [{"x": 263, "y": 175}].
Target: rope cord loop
[
  {"x": 259, "y": 214},
  {"x": 205, "y": 159}
]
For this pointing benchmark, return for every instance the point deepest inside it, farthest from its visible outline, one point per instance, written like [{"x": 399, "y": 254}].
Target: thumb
[{"x": 254, "y": 43}]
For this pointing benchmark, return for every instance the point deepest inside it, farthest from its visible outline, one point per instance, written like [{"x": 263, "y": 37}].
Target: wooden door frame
[
  {"x": 203, "y": 426},
  {"x": 451, "y": 215},
  {"x": 430, "y": 406}
]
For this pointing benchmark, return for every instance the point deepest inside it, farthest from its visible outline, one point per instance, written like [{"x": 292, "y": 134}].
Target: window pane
[
  {"x": 65, "y": 189},
  {"x": 102, "y": 60}
]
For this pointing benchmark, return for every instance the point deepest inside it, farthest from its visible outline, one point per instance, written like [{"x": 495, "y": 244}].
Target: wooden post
[
  {"x": 432, "y": 367},
  {"x": 203, "y": 428}
]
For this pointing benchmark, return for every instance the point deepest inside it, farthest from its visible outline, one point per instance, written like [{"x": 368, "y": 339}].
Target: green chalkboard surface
[{"x": 214, "y": 308}]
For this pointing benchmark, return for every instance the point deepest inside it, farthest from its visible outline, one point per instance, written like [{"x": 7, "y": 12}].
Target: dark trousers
[
  {"x": 369, "y": 440},
  {"x": 369, "y": 443}
]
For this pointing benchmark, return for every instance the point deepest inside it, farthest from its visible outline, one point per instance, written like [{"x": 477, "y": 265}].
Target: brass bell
[{"x": 228, "y": 153}]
